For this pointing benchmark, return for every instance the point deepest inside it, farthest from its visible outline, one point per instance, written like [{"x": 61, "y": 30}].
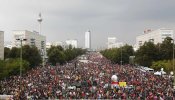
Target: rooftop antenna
[{"x": 40, "y": 20}]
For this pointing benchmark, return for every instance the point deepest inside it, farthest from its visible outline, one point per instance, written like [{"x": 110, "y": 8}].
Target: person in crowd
[{"x": 91, "y": 80}]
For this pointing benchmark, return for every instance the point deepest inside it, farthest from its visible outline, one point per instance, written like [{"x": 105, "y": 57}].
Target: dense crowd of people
[{"x": 90, "y": 80}]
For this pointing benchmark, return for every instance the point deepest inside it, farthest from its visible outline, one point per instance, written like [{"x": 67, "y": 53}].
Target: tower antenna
[{"x": 39, "y": 20}]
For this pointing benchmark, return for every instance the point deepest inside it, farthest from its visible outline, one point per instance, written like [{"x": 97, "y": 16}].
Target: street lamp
[
  {"x": 173, "y": 60},
  {"x": 20, "y": 39},
  {"x": 43, "y": 52},
  {"x": 121, "y": 46}
]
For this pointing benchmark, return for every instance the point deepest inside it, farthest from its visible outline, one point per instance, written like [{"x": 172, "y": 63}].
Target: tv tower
[{"x": 40, "y": 20}]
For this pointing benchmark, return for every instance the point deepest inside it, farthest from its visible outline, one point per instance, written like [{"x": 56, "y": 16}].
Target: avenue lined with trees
[
  {"x": 32, "y": 58},
  {"x": 11, "y": 63},
  {"x": 149, "y": 55}
]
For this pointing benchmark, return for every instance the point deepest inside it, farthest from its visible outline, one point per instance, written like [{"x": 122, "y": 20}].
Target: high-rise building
[
  {"x": 112, "y": 43},
  {"x": 73, "y": 43},
  {"x": 32, "y": 39},
  {"x": 156, "y": 36},
  {"x": 1, "y": 45},
  {"x": 88, "y": 40}
]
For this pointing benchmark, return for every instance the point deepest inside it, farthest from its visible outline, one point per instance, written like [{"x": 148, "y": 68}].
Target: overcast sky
[{"x": 70, "y": 19}]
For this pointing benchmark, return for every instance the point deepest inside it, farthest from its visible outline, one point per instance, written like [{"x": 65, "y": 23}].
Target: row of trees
[
  {"x": 118, "y": 55},
  {"x": 156, "y": 56},
  {"x": 150, "y": 52},
  {"x": 29, "y": 53},
  {"x": 32, "y": 58},
  {"x": 151, "y": 55},
  {"x": 57, "y": 54},
  {"x": 11, "y": 63},
  {"x": 12, "y": 67}
]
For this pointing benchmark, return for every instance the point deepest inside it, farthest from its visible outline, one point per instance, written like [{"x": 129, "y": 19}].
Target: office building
[
  {"x": 112, "y": 43},
  {"x": 88, "y": 40},
  {"x": 73, "y": 43},
  {"x": 156, "y": 36},
  {"x": 1, "y": 45},
  {"x": 32, "y": 39},
  {"x": 48, "y": 45},
  {"x": 58, "y": 43}
]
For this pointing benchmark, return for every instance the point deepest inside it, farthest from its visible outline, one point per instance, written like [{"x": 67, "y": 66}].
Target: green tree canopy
[
  {"x": 56, "y": 54},
  {"x": 117, "y": 54},
  {"x": 146, "y": 54},
  {"x": 166, "y": 49},
  {"x": 6, "y": 52},
  {"x": 29, "y": 53},
  {"x": 12, "y": 67},
  {"x": 14, "y": 53},
  {"x": 32, "y": 55}
]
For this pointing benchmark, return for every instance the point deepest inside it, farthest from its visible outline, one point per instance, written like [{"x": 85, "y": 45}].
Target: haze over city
[{"x": 62, "y": 20}]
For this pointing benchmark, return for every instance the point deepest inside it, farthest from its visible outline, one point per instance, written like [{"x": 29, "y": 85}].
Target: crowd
[{"x": 92, "y": 80}]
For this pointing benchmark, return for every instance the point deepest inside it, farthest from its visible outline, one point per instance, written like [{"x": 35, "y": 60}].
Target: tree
[
  {"x": 29, "y": 53},
  {"x": 12, "y": 67},
  {"x": 115, "y": 54},
  {"x": 2, "y": 67},
  {"x": 32, "y": 55},
  {"x": 56, "y": 56},
  {"x": 146, "y": 54},
  {"x": 6, "y": 52},
  {"x": 14, "y": 53},
  {"x": 165, "y": 64},
  {"x": 166, "y": 49},
  {"x": 127, "y": 51},
  {"x": 60, "y": 48}
]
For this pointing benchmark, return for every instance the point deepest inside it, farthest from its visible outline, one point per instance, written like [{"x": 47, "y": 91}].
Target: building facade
[
  {"x": 32, "y": 39},
  {"x": 156, "y": 36},
  {"x": 48, "y": 45},
  {"x": 112, "y": 43},
  {"x": 58, "y": 43},
  {"x": 1, "y": 45},
  {"x": 88, "y": 40},
  {"x": 73, "y": 43}
]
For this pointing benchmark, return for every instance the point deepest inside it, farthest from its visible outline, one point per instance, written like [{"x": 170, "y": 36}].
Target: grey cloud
[{"x": 66, "y": 19}]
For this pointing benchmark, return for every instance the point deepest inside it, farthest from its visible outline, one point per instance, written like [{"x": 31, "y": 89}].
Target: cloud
[{"x": 66, "y": 19}]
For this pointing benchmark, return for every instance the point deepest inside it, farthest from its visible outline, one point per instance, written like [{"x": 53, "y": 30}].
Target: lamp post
[
  {"x": 121, "y": 57},
  {"x": 43, "y": 52},
  {"x": 121, "y": 54},
  {"x": 20, "y": 39},
  {"x": 173, "y": 62}
]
